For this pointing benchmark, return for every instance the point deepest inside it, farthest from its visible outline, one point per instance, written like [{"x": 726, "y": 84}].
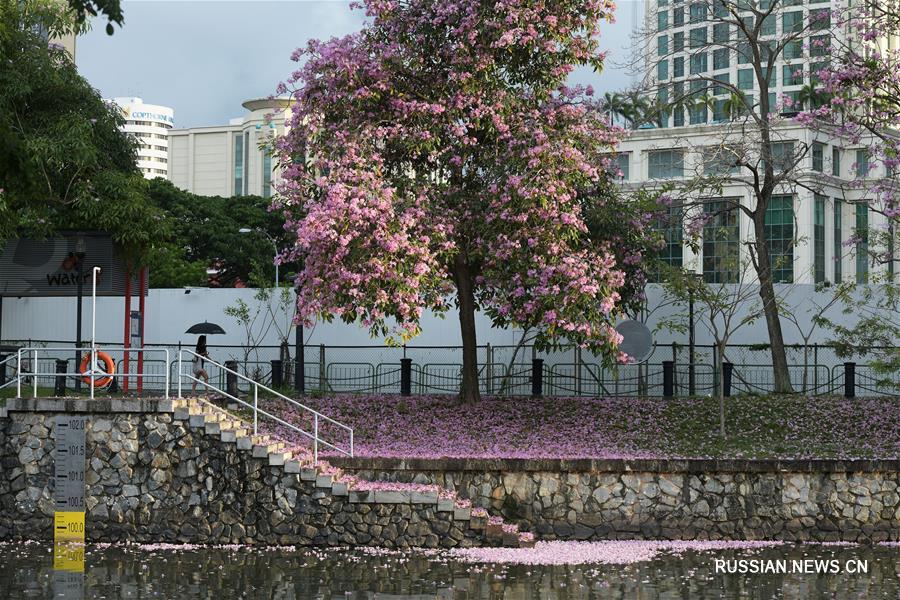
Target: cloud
[{"x": 203, "y": 58}]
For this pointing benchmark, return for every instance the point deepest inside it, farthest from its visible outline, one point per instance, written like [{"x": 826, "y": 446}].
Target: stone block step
[
  {"x": 339, "y": 488},
  {"x": 324, "y": 481},
  {"x": 309, "y": 474},
  {"x": 263, "y": 450},
  {"x": 244, "y": 443},
  {"x": 277, "y": 459},
  {"x": 292, "y": 466}
]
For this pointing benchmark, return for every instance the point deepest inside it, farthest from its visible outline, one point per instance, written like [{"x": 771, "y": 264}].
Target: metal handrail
[
  {"x": 316, "y": 415},
  {"x": 92, "y": 352}
]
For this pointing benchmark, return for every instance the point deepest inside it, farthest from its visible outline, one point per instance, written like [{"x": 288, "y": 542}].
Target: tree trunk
[
  {"x": 782, "y": 378},
  {"x": 468, "y": 388}
]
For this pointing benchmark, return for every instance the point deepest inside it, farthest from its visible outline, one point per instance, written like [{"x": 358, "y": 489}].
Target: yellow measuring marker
[
  {"x": 68, "y": 526},
  {"x": 68, "y": 556}
]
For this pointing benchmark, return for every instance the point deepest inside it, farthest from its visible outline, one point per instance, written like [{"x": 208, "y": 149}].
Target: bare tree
[{"x": 756, "y": 145}]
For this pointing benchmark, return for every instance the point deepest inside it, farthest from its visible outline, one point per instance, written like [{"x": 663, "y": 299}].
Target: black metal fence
[{"x": 510, "y": 370}]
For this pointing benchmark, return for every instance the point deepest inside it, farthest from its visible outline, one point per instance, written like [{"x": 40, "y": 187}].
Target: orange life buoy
[{"x": 105, "y": 361}]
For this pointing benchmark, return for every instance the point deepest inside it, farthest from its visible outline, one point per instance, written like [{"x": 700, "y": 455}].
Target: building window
[
  {"x": 719, "y": 111},
  {"x": 662, "y": 20},
  {"x": 838, "y": 243},
  {"x": 792, "y": 74},
  {"x": 862, "y": 242},
  {"x": 698, "y": 13},
  {"x": 698, "y": 63},
  {"x": 678, "y": 41},
  {"x": 721, "y": 58},
  {"x": 819, "y": 239},
  {"x": 719, "y": 90},
  {"x": 678, "y": 66},
  {"x": 745, "y": 79},
  {"x": 697, "y": 114},
  {"x": 721, "y": 33},
  {"x": 662, "y": 70},
  {"x": 793, "y": 50},
  {"x": 678, "y": 16},
  {"x": 719, "y": 161},
  {"x": 782, "y": 153},
  {"x": 836, "y": 161},
  {"x": 662, "y": 45},
  {"x": 677, "y": 117},
  {"x": 663, "y": 164},
  {"x": 768, "y": 25},
  {"x": 819, "y": 45},
  {"x": 819, "y": 19},
  {"x": 618, "y": 166},
  {"x": 792, "y": 22},
  {"x": 818, "y": 157},
  {"x": 238, "y": 164},
  {"x": 247, "y": 156},
  {"x": 779, "y": 226},
  {"x": 744, "y": 54},
  {"x": 267, "y": 174},
  {"x": 862, "y": 162},
  {"x": 721, "y": 242},
  {"x": 670, "y": 226},
  {"x": 698, "y": 37}
]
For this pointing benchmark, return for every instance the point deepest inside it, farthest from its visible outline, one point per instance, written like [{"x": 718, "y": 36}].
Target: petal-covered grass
[{"x": 757, "y": 427}]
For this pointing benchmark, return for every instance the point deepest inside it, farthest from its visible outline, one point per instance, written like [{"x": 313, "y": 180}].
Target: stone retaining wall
[
  {"x": 151, "y": 477},
  {"x": 669, "y": 499}
]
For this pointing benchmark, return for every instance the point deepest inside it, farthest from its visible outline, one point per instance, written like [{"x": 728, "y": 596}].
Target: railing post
[
  {"x": 255, "y": 408},
  {"x": 34, "y": 370},
  {"x": 61, "y": 367},
  {"x": 93, "y": 370},
  {"x": 321, "y": 367},
  {"x": 578, "y": 371},
  {"x": 849, "y": 379},
  {"x": 19, "y": 373},
  {"x": 315, "y": 438},
  {"x": 727, "y": 369},
  {"x": 277, "y": 374},
  {"x": 489, "y": 368},
  {"x": 179, "y": 373},
  {"x": 3, "y": 358},
  {"x": 668, "y": 367},
  {"x": 537, "y": 377},
  {"x": 405, "y": 376},
  {"x": 231, "y": 377}
]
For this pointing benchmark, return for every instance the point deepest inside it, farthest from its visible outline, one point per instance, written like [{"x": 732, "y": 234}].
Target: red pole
[
  {"x": 142, "y": 285},
  {"x": 127, "y": 342}
]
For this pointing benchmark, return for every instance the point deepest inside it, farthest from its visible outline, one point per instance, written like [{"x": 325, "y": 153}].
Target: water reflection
[{"x": 26, "y": 571}]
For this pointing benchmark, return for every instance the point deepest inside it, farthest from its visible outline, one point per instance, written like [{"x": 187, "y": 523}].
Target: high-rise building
[
  {"x": 233, "y": 159},
  {"x": 700, "y": 66},
  {"x": 149, "y": 124}
]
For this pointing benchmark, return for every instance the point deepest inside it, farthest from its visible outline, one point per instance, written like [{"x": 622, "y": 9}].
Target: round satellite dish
[{"x": 636, "y": 340}]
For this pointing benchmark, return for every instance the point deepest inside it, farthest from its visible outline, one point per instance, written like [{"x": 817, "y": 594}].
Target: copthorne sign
[
  {"x": 138, "y": 115},
  {"x": 50, "y": 267}
]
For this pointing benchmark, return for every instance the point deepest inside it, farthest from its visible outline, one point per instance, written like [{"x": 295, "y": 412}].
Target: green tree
[
  {"x": 64, "y": 163},
  {"x": 205, "y": 232}
]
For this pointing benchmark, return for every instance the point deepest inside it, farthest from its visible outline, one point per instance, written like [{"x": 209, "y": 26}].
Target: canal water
[{"x": 112, "y": 572}]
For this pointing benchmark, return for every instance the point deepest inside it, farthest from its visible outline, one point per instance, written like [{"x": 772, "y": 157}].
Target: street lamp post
[
  {"x": 695, "y": 279},
  {"x": 80, "y": 252},
  {"x": 246, "y": 230}
]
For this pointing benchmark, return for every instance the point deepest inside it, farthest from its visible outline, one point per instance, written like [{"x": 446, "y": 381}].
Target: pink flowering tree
[{"x": 437, "y": 156}]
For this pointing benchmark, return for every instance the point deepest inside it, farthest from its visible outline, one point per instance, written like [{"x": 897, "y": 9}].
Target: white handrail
[
  {"x": 314, "y": 436},
  {"x": 35, "y": 372}
]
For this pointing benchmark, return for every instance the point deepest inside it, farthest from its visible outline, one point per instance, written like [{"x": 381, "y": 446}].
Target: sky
[{"x": 203, "y": 58}]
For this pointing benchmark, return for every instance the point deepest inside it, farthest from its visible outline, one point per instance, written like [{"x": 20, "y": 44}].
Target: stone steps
[{"x": 211, "y": 420}]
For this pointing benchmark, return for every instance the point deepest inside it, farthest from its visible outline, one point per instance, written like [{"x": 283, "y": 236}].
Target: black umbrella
[{"x": 205, "y": 327}]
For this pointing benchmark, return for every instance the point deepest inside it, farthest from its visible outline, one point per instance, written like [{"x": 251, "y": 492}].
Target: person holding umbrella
[
  {"x": 200, "y": 352},
  {"x": 197, "y": 367}
]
